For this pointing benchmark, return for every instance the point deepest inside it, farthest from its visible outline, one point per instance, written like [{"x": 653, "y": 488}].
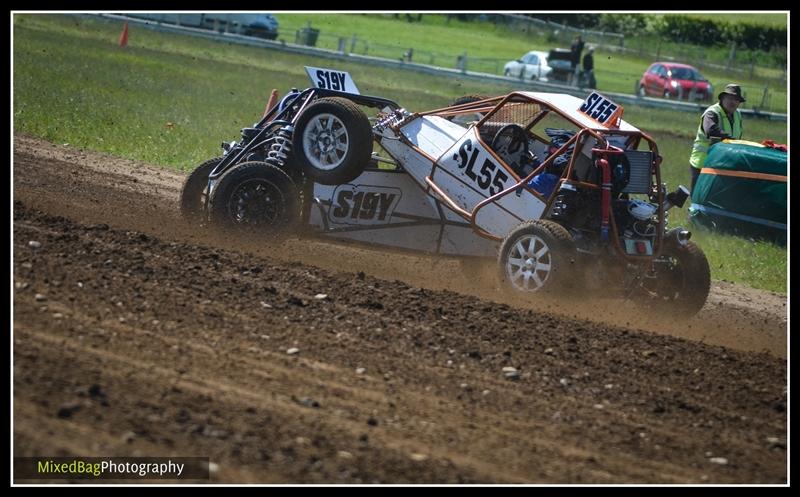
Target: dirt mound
[{"x": 135, "y": 335}]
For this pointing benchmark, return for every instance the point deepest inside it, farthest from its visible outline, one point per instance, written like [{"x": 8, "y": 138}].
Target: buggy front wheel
[
  {"x": 256, "y": 198},
  {"x": 537, "y": 257}
]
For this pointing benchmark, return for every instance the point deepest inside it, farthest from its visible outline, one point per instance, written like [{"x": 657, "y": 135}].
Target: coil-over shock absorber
[{"x": 281, "y": 146}]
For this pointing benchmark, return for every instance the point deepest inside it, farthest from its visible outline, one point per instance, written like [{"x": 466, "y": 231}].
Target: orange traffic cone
[
  {"x": 273, "y": 99},
  {"x": 123, "y": 38}
]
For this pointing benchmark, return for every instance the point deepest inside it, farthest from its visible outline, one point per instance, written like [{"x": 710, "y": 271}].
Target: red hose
[{"x": 605, "y": 202}]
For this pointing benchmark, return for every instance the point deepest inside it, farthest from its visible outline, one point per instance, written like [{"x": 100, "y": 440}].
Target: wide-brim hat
[{"x": 734, "y": 90}]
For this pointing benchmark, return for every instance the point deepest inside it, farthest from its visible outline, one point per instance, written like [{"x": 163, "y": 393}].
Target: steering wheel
[{"x": 511, "y": 143}]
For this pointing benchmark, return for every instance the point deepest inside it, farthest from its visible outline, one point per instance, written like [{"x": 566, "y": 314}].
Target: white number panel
[
  {"x": 331, "y": 79},
  {"x": 363, "y": 204},
  {"x": 388, "y": 208},
  {"x": 378, "y": 207},
  {"x": 468, "y": 174},
  {"x": 602, "y": 110}
]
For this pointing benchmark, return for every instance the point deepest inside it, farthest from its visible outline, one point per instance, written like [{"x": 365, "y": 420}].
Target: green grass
[
  {"x": 73, "y": 84},
  {"x": 756, "y": 263},
  {"x": 489, "y": 46}
]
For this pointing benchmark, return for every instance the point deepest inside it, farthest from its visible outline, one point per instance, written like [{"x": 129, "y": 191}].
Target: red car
[{"x": 671, "y": 80}]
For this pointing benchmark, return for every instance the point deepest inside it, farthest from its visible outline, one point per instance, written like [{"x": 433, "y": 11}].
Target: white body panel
[
  {"x": 389, "y": 208},
  {"x": 468, "y": 174},
  {"x": 434, "y": 135},
  {"x": 414, "y": 163},
  {"x": 504, "y": 214}
]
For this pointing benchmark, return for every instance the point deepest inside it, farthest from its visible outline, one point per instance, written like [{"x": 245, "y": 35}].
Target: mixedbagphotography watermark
[{"x": 111, "y": 468}]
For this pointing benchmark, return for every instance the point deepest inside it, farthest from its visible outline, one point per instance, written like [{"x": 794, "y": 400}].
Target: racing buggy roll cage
[{"x": 601, "y": 153}]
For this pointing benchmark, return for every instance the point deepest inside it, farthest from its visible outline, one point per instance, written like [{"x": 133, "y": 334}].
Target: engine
[
  {"x": 637, "y": 225},
  {"x": 579, "y": 209}
]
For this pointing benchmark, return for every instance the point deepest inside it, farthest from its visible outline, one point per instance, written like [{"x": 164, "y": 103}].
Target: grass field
[
  {"x": 438, "y": 41},
  {"x": 73, "y": 84}
]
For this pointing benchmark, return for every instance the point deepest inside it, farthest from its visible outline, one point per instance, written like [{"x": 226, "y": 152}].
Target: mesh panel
[
  {"x": 520, "y": 113},
  {"x": 515, "y": 113}
]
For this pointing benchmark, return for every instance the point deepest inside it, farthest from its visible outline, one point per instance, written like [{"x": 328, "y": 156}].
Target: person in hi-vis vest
[{"x": 721, "y": 120}]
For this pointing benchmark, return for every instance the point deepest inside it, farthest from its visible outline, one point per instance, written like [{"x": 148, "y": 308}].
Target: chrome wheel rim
[
  {"x": 529, "y": 263},
  {"x": 325, "y": 141}
]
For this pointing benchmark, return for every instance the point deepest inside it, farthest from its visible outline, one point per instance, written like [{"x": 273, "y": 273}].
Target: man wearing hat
[{"x": 721, "y": 120}]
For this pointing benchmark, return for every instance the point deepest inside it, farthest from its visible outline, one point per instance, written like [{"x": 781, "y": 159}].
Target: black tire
[
  {"x": 255, "y": 198},
  {"x": 468, "y": 99},
  {"x": 556, "y": 251},
  {"x": 465, "y": 119},
  {"x": 681, "y": 286},
  {"x": 193, "y": 192},
  {"x": 309, "y": 140},
  {"x": 641, "y": 92}
]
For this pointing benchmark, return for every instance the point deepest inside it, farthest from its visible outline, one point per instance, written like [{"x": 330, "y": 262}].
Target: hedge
[{"x": 685, "y": 29}]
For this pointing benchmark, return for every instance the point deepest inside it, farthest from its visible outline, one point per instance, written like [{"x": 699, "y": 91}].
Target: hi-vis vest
[{"x": 702, "y": 143}]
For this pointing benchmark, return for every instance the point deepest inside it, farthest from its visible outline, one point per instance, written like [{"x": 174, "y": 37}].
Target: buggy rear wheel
[
  {"x": 682, "y": 281},
  {"x": 255, "y": 198},
  {"x": 468, "y": 99},
  {"x": 195, "y": 190},
  {"x": 333, "y": 141},
  {"x": 466, "y": 119}
]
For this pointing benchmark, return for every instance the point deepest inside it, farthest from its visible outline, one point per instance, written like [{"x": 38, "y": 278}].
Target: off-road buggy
[{"x": 561, "y": 191}]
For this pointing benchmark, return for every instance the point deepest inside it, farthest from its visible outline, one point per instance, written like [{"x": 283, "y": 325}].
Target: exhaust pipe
[
  {"x": 679, "y": 235},
  {"x": 682, "y": 236}
]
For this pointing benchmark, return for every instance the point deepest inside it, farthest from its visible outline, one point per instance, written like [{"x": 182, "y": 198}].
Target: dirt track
[{"x": 151, "y": 339}]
